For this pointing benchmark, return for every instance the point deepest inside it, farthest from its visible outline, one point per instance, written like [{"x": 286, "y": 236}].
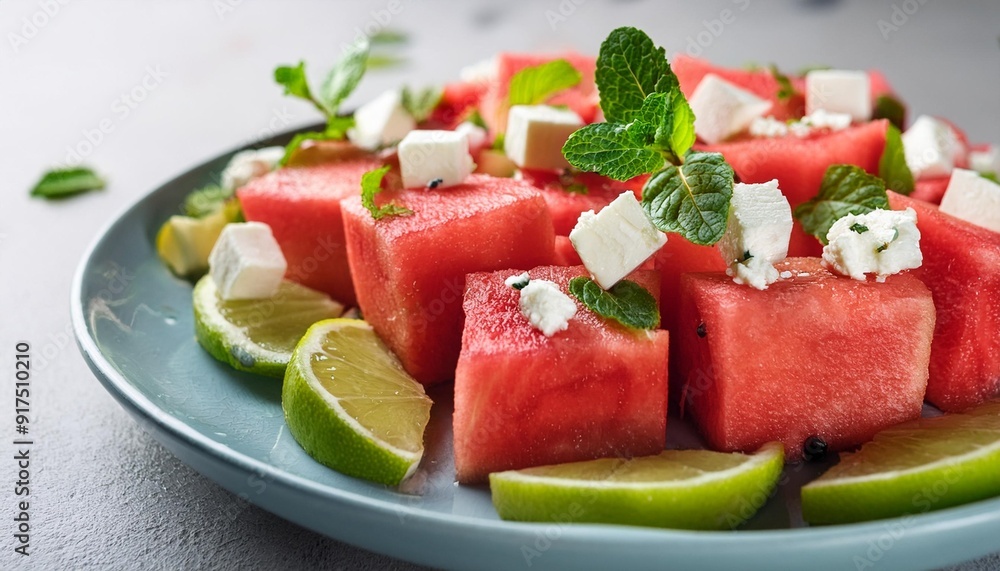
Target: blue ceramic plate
[{"x": 134, "y": 326}]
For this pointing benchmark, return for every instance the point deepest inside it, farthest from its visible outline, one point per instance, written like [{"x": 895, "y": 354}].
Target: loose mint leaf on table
[
  {"x": 846, "y": 189},
  {"x": 612, "y": 150},
  {"x": 629, "y": 68},
  {"x": 371, "y": 184},
  {"x": 63, "y": 183},
  {"x": 534, "y": 85},
  {"x": 421, "y": 103},
  {"x": 691, "y": 199},
  {"x": 626, "y": 302},
  {"x": 892, "y": 166},
  {"x": 888, "y": 107}
]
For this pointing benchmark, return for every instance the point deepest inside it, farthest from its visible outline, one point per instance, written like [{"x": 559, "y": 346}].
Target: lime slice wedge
[
  {"x": 351, "y": 406},
  {"x": 258, "y": 335},
  {"x": 918, "y": 466},
  {"x": 686, "y": 489}
]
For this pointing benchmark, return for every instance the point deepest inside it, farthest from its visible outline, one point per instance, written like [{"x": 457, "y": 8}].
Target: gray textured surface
[{"x": 104, "y": 495}]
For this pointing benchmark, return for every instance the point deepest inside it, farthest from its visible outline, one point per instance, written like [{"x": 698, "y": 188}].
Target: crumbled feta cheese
[
  {"x": 536, "y": 134},
  {"x": 785, "y": 275},
  {"x": 757, "y": 233},
  {"x": 987, "y": 161},
  {"x": 823, "y": 119},
  {"x": 839, "y": 91},
  {"x": 246, "y": 262},
  {"x": 476, "y": 134},
  {"x": 546, "y": 307},
  {"x": 768, "y": 127},
  {"x": 881, "y": 242},
  {"x": 616, "y": 241},
  {"x": 426, "y": 156},
  {"x": 930, "y": 147},
  {"x": 517, "y": 280},
  {"x": 250, "y": 164},
  {"x": 381, "y": 122},
  {"x": 974, "y": 198},
  {"x": 722, "y": 109},
  {"x": 820, "y": 119}
]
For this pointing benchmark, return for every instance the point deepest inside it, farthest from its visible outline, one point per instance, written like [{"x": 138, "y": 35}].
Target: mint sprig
[
  {"x": 887, "y": 106},
  {"x": 613, "y": 150},
  {"x": 892, "y": 167},
  {"x": 66, "y": 182},
  {"x": 691, "y": 199},
  {"x": 785, "y": 88},
  {"x": 535, "y": 84},
  {"x": 371, "y": 184},
  {"x": 420, "y": 103},
  {"x": 626, "y": 302},
  {"x": 846, "y": 189},
  {"x": 630, "y": 67}
]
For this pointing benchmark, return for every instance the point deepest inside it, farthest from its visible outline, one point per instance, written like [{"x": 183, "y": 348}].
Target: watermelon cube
[
  {"x": 814, "y": 355},
  {"x": 761, "y": 82},
  {"x": 568, "y": 197},
  {"x": 410, "y": 270},
  {"x": 302, "y": 207},
  {"x": 799, "y": 165},
  {"x": 522, "y": 399},
  {"x": 962, "y": 269}
]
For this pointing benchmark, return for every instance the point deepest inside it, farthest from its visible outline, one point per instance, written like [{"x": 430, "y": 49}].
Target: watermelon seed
[
  {"x": 814, "y": 449},
  {"x": 435, "y": 183},
  {"x": 702, "y": 332}
]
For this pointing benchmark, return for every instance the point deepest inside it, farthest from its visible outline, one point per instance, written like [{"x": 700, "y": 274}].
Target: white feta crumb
[
  {"x": 250, "y": 164},
  {"x": 987, "y": 161},
  {"x": 757, "y": 233},
  {"x": 839, "y": 91},
  {"x": 804, "y": 274},
  {"x": 546, "y": 307},
  {"x": 823, "y": 119},
  {"x": 536, "y": 134},
  {"x": 476, "y": 134},
  {"x": 616, "y": 241},
  {"x": 434, "y": 158},
  {"x": 930, "y": 147},
  {"x": 785, "y": 275},
  {"x": 246, "y": 262},
  {"x": 881, "y": 242},
  {"x": 973, "y": 198},
  {"x": 381, "y": 122},
  {"x": 722, "y": 109},
  {"x": 517, "y": 280},
  {"x": 768, "y": 127}
]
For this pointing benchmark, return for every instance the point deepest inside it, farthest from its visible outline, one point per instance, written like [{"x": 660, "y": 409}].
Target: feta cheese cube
[
  {"x": 881, "y": 242},
  {"x": 839, "y": 91},
  {"x": 985, "y": 161},
  {"x": 757, "y": 233},
  {"x": 722, "y": 109},
  {"x": 546, "y": 307},
  {"x": 381, "y": 122},
  {"x": 250, "y": 164},
  {"x": 434, "y": 158},
  {"x": 616, "y": 241},
  {"x": 536, "y": 135},
  {"x": 971, "y": 197},
  {"x": 930, "y": 147},
  {"x": 476, "y": 134},
  {"x": 246, "y": 262}
]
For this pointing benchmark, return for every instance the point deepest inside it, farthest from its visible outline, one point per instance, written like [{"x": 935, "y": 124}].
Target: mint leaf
[
  {"x": 371, "y": 184},
  {"x": 388, "y": 37},
  {"x": 344, "y": 77},
  {"x": 653, "y": 124},
  {"x": 384, "y": 61},
  {"x": 336, "y": 130},
  {"x": 888, "y": 107},
  {"x": 630, "y": 67},
  {"x": 616, "y": 151},
  {"x": 892, "y": 166},
  {"x": 692, "y": 199},
  {"x": 534, "y": 85},
  {"x": 206, "y": 200},
  {"x": 63, "y": 183},
  {"x": 682, "y": 135},
  {"x": 785, "y": 88},
  {"x": 420, "y": 104},
  {"x": 626, "y": 302},
  {"x": 293, "y": 79},
  {"x": 846, "y": 189},
  {"x": 991, "y": 176}
]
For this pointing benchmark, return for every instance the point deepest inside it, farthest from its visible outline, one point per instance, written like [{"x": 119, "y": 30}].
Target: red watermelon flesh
[
  {"x": 799, "y": 165},
  {"x": 458, "y": 100},
  {"x": 813, "y": 355},
  {"x": 582, "y": 99},
  {"x": 302, "y": 207},
  {"x": 761, "y": 82},
  {"x": 566, "y": 206},
  {"x": 962, "y": 269},
  {"x": 566, "y": 254},
  {"x": 930, "y": 189},
  {"x": 410, "y": 270},
  {"x": 522, "y": 399}
]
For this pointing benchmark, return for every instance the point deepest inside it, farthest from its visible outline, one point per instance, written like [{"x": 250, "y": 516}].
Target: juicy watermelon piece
[
  {"x": 302, "y": 207},
  {"x": 522, "y": 399},
  {"x": 566, "y": 206},
  {"x": 410, "y": 270},
  {"x": 930, "y": 189},
  {"x": 761, "y": 82},
  {"x": 817, "y": 355},
  {"x": 458, "y": 100},
  {"x": 566, "y": 254},
  {"x": 582, "y": 99},
  {"x": 962, "y": 269},
  {"x": 799, "y": 165}
]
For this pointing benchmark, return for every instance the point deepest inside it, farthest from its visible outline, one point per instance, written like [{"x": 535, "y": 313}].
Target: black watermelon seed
[
  {"x": 435, "y": 183},
  {"x": 814, "y": 449},
  {"x": 702, "y": 331}
]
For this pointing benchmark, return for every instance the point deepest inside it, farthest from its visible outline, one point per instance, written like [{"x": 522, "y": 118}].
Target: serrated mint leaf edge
[{"x": 639, "y": 311}]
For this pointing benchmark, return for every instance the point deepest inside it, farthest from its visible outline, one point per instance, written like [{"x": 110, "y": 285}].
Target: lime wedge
[
  {"x": 257, "y": 335},
  {"x": 686, "y": 489},
  {"x": 351, "y": 406},
  {"x": 915, "y": 467}
]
